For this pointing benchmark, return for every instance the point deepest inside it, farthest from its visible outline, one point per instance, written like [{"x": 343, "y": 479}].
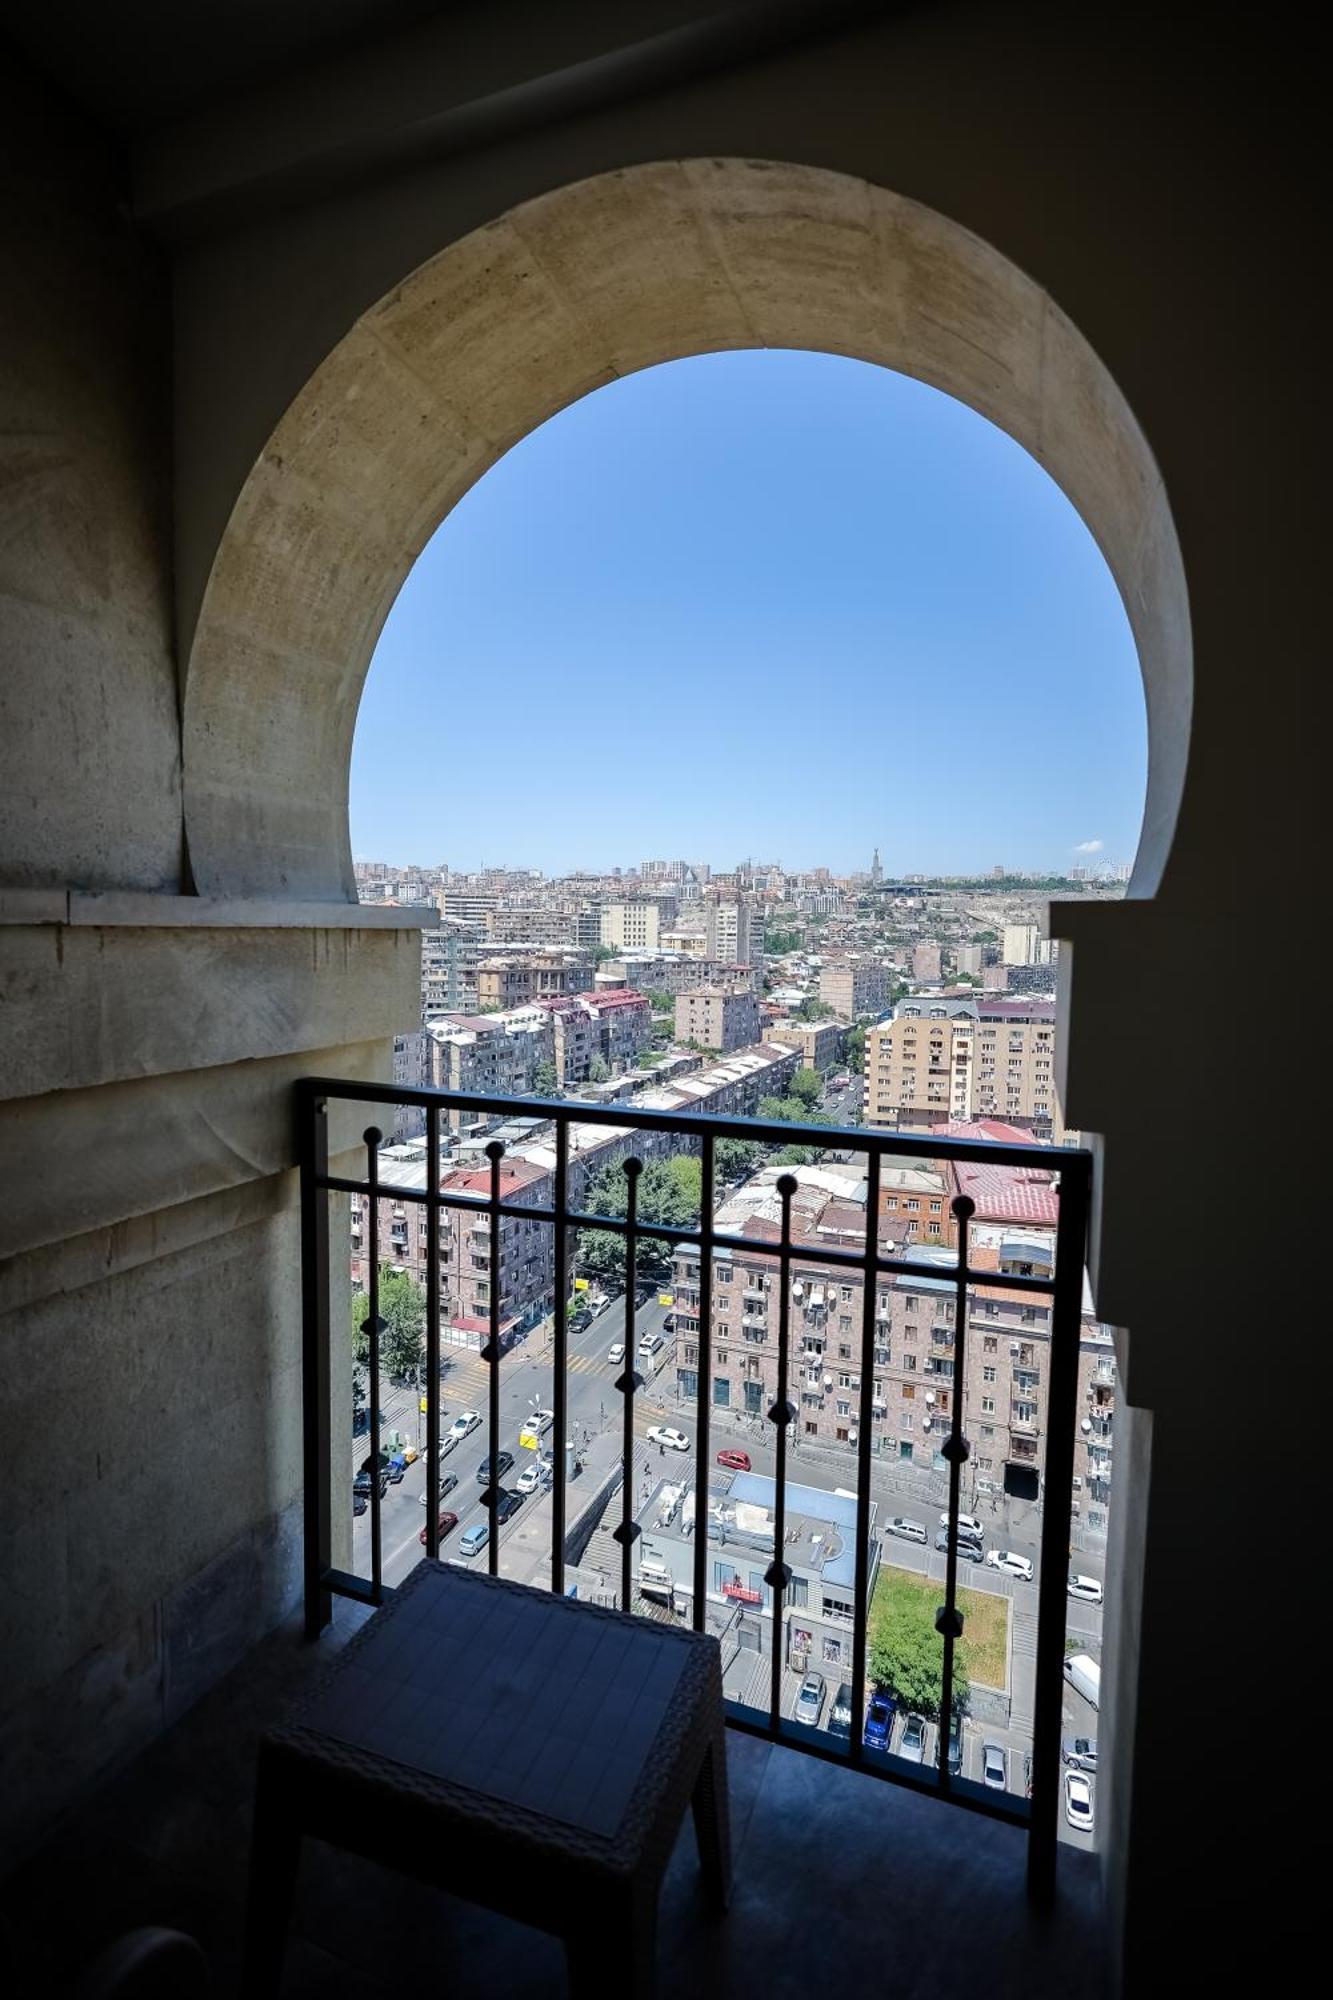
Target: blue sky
[{"x": 772, "y": 605}]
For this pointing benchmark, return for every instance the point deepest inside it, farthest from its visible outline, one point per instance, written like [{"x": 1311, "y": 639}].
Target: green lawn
[{"x": 983, "y": 1646}]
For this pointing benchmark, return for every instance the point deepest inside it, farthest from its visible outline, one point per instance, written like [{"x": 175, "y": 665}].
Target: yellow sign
[
  {"x": 424, "y": 1405},
  {"x": 527, "y": 1440},
  {"x": 580, "y": 1284},
  {"x": 665, "y": 1299}
]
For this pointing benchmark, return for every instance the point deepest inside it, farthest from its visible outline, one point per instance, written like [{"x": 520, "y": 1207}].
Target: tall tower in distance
[{"x": 876, "y": 872}]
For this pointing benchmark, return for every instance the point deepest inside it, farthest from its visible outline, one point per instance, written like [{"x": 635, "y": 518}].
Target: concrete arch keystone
[{"x": 518, "y": 319}]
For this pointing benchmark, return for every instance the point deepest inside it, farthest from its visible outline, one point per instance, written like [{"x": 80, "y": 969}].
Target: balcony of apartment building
[{"x": 355, "y": 305}]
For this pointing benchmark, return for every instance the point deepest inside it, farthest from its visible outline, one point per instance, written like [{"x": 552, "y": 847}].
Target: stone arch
[{"x": 516, "y": 320}]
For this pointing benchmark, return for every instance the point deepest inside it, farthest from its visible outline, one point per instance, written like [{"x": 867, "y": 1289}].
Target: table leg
[
  {"x": 275, "y": 1851},
  {"x": 712, "y": 1823},
  {"x": 615, "y": 1951}
]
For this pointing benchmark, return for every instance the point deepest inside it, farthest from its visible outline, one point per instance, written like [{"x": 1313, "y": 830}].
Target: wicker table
[{"x": 521, "y": 1750}]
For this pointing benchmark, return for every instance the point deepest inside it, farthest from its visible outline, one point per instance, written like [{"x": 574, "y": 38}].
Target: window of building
[
  {"x": 988, "y": 1405},
  {"x": 722, "y": 1392}
]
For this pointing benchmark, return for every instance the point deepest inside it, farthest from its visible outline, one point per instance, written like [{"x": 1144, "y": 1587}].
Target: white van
[
  {"x": 651, "y": 1344},
  {"x": 1084, "y": 1676}
]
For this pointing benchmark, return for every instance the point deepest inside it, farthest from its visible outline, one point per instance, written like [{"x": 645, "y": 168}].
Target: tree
[
  {"x": 734, "y": 1157},
  {"x": 403, "y": 1317},
  {"x": 662, "y": 1000},
  {"x": 812, "y": 1009},
  {"x": 854, "y": 1049},
  {"x": 794, "y": 1156},
  {"x": 806, "y": 1086},
  {"x": 778, "y": 943},
  {"x": 785, "y": 1111},
  {"x": 598, "y": 1070},
  {"x": 546, "y": 1080},
  {"x": 906, "y": 1653},
  {"x": 601, "y": 952},
  {"x": 668, "y": 1194}
]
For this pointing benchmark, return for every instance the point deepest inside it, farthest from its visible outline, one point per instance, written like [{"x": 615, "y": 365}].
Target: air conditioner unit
[{"x": 1014, "y": 1347}]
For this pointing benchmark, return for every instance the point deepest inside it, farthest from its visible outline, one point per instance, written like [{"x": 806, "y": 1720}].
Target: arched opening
[{"x": 513, "y": 322}]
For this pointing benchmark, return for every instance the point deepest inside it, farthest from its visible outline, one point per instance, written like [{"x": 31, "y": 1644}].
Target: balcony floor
[{"x": 842, "y": 1881}]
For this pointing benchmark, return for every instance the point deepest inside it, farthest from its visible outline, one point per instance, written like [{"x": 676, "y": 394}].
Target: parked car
[
  {"x": 615, "y": 1353},
  {"x": 651, "y": 1344},
  {"x": 672, "y": 1440},
  {"x": 447, "y": 1483},
  {"x": 532, "y": 1476},
  {"x": 447, "y": 1523},
  {"x": 735, "y": 1461},
  {"x": 503, "y": 1462},
  {"x": 840, "y": 1715},
  {"x": 474, "y": 1538},
  {"x": 508, "y": 1503},
  {"x": 1084, "y": 1676},
  {"x": 992, "y": 1766},
  {"x": 359, "y": 1503},
  {"x": 397, "y": 1467},
  {"x": 879, "y": 1721},
  {"x": 1010, "y": 1564},
  {"x": 810, "y": 1701},
  {"x": 968, "y": 1552},
  {"x": 462, "y": 1426},
  {"x": 912, "y": 1742},
  {"x": 909, "y": 1531},
  {"x": 1078, "y": 1801},
  {"x": 539, "y": 1421},
  {"x": 361, "y": 1484},
  {"x": 955, "y": 1750},
  {"x": 1086, "y": 1589},
  {"x": 968, "y": 1524},
  {"x": 1080, "y": 1751}
]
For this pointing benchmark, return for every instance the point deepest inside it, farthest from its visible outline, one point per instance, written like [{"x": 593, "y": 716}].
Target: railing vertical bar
[
  {"x": 704, "y": 1378},
  {"x": 434, "y": 1220},
  {"x": 313, "y": 1153},
  {"x": 628, "y": 1383},
  {"x": 372, "y": 1137},
  {"x": 560, "y": 1352},
  {"x": 494, "y": 1153},
  {"x": 1061, "y": 1416},
  {"x": 781, "y": 1414},
  {"x": 949, "y": 1620},
  {"x": 864, "y": 1440}
]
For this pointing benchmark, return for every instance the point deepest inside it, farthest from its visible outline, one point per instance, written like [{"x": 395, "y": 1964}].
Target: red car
[
  {"x": 448, "y": 1522},
  {"x": 736, "y": 1461}
]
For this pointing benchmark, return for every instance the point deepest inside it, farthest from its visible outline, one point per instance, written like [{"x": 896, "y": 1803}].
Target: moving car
[
  {"x": 448, "y": 1522},
  {"x": 992, "y": 1766},
  {"x": 1078, "y": 1801},
  {"x": 970, "y": 1552},
  {"x": 361, "y": 1485},
  {"x": 1086, "y": 1589},
  {"x": 615, "y": 1353},
  {"x": 908, "y": 1530},
  {"x": 532, "y": 1475},
  {"x": 810, "y": 1701},
  {"x": 1085, "y": 1677},
  {"x": 879, "y": 1721},
  {"x": 359, "y": 1503},
  {"x": 663, "y": 1434},
  {"x": 448, "y": 1481},
  {"x": 539, "y": 1421},
  {"x": 912, "y": 1742},
  {"x": 735, "y": 1461},
  {"x": 968, "y": 1524},
  {"x": 503, "y": 1461},
  {"x": 840, "y": 1715},
  {"x": 508, "y": 1503},
  {"x": 1080, "y": 1751},
  {"x": 651, "y": 1344},
  {"x": 1009, "y": 1563},
  {"x": 462, "y": 1426},
  {"x": 474, "y": 1538}
]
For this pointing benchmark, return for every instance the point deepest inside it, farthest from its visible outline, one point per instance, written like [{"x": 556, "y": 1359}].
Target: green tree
[
  {"x": 906, "y": 1653},
  {"x": 403, "y": 1321},
  {"x": 662, "y": 1000},
  {"x": 784, "y": 1111},
  {"x": 601, "y": 952},
  {"x": 794, "y": 1156},
  {"x": 854, "y": 1049},
  {"x": 598, "y": 1070},
  {"x": 734, "y": 1157},
  {"x": 546, "y": 1080},
  {"x": 813, "y": 1009},
  {"x": 778, "y": 943},
  {"x": 668, "y": 1194},
  {"x": 806, "y": 1086}
]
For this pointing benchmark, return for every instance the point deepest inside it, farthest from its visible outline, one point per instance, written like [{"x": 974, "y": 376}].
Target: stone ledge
[{"x": 138, "y": 910}]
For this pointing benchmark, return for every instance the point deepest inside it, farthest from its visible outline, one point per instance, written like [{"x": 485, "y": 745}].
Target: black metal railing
[{"x": 1039, "y": 1811}]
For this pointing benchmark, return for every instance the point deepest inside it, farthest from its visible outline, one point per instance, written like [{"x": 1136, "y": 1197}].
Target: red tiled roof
[
  {"x": 513, "y": 1174},
  {"x": 616, "y": 996}
]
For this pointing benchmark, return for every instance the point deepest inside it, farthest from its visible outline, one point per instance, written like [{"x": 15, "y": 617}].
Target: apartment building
[
  {"x": 576, "y": 1039},
  {"x": 671, "y": 972},
  {"x": 927, "y": 963},
  {"x": 624, "y": 1022},
  {"x": 449, "y": 961},
  {"x": 969, "y": 958},
  {"x": 1006, "y": 1381},
  {"x": 820, "y": 1042},
  {"x": 687, "y": 943},
  {"x": 495, "y": 1054},
  {"x": 526, "y": 1250},
  {"x": 852, "y": 986},
  {"x": 1020, "y": 944},
  {"x": 637, "y": 925},
  {"x": 507, "y": 980},
  {"x": 728, "y": 931},
  {"x": 943, "y": 1059},
  {"x": 717, "y": 1019}
]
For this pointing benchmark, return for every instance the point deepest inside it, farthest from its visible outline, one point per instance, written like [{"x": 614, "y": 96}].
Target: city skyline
[{"x": 769, "y": 578}]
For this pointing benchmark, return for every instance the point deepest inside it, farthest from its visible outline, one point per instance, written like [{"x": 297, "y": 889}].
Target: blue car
[
  {"x": 475, "y": 1538},
  {"x": 879, "y": 1721}
]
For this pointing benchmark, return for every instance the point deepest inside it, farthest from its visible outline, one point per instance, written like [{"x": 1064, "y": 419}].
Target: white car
[
  {"x": 615, "y": 1353},
  {"x": 1078, "y": 1801},
  {"x": 968, "y": 1524},
  {"x": 664, "y": 1435},
  {"x": 539, "y": 1421},
  {"x": 534, "y": 1474},
  {"x": 992, "y": 1766},
  {"x": 1086, "y": 1589},
  {"x": 463, "y": 1425},
  {"x": 1012, "y": 1565}
]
